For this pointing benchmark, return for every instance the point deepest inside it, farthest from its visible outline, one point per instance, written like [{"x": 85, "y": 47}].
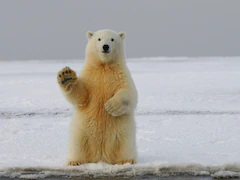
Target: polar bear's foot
[
  {"x": 75, "y": 163},
  {"x": 127, "y": 161},
  {"x": 66, "y": 77}
]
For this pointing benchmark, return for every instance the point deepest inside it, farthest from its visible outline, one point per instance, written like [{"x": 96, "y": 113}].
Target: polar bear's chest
[
  {"x": 103, "y": 87},
  {"x": 102, "y": 84}
]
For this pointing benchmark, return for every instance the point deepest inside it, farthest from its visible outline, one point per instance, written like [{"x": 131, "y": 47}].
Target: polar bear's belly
[
  {"x": 96, "y": 116},
  {"x": 103, "y": 130}
]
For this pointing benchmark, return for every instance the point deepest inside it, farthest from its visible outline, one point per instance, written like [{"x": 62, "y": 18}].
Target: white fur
[{"x": 103, "y": 127}]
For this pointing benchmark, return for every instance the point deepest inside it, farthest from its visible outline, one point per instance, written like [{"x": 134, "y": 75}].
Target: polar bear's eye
[
  {"x": 112, "y": 39},
  {"x": 99, "y": 39}
]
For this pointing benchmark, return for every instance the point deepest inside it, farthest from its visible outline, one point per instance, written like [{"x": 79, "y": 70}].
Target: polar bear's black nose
[{"x": 105, "y": 47}]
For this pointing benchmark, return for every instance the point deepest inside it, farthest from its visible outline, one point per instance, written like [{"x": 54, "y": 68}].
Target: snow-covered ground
[{"x": 188, "y": 119}]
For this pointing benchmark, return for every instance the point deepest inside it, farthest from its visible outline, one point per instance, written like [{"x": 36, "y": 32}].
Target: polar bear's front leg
[{"x": 121, "y": 103}]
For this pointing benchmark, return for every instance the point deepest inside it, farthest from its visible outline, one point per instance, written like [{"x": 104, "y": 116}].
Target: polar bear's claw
[
  {"x": 127, "y": 161},
  {"x": 74, "y": 163}
]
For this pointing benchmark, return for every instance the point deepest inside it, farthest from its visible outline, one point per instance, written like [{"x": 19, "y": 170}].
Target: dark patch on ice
[
  {"x": 191, "y": 112},
  {"x": 69, "y": 112},
  {"x": 62, "y": 113}
]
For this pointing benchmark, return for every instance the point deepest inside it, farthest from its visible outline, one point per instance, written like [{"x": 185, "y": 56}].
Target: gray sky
[{"x": 56, "y": 29}]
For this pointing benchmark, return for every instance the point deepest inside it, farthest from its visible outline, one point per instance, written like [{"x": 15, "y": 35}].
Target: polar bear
[{"x": 104, "y": 98}]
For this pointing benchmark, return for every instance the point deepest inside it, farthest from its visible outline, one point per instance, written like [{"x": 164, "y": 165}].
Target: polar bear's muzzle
[{"x": 106, "y": 49}]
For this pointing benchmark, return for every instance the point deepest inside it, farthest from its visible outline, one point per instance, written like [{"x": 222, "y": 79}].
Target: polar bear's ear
[
  {"x": 89, "y": 34},
  {"x": 122, "y": 35}
]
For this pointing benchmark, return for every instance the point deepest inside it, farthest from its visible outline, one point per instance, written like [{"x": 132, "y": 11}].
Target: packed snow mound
[
  {"x": 226, "y": 174},
  {"x": 105, "y": 170}
]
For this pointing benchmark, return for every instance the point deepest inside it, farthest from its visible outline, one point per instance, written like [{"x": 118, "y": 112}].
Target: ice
[{"x": 188, "y": 119}]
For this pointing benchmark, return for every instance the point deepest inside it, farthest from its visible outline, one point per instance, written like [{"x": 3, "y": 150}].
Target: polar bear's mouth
[{"x": 105, "y": 52}]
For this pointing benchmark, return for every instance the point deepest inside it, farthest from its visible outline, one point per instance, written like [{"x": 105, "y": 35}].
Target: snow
[
  {"x": 188, "y": 119},
  {"x": 226, "y": 174}
]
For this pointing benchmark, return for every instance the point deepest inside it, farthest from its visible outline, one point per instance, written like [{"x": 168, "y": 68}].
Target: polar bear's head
[{"x": 105, "y": 45}]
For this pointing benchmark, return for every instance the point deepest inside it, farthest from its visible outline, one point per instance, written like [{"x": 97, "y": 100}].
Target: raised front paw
[
  {"x": 66, "y": 76},
  {"x": 116, "y": 107}
]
